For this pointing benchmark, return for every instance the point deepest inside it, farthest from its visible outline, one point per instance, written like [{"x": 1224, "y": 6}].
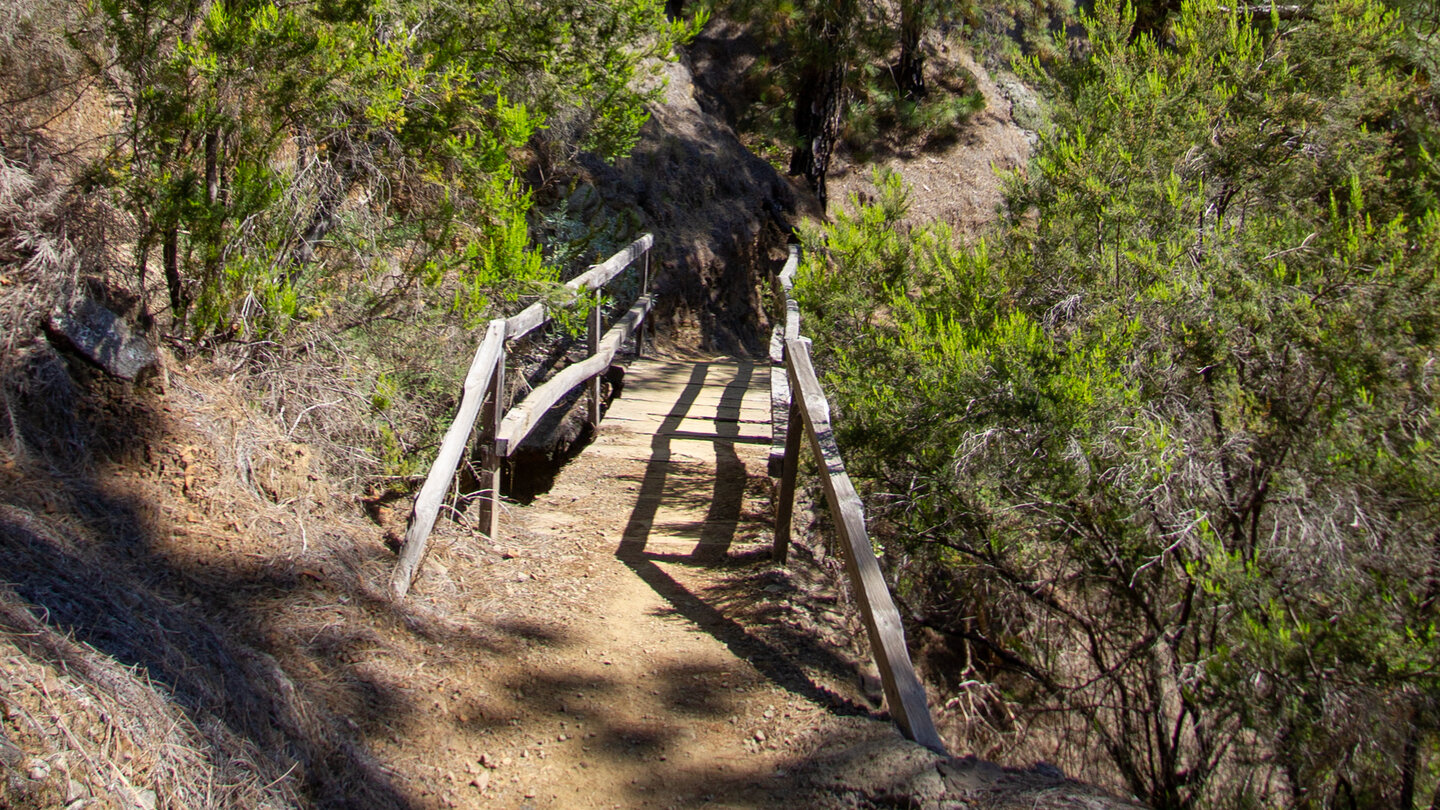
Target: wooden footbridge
[{"x": 685, "y": 432}]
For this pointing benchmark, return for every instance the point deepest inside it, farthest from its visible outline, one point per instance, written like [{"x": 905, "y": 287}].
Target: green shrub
[
  {"x": 1162, "y": 447},
  {"x": 264, "y": 142}
]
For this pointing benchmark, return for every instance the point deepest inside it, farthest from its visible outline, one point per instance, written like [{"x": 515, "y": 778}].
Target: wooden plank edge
[
  {"x": 779, "y": 404},
  {"x": 599, "y": 275},
  {"x": 534, "y": 316},
  {"x": 437, "y": 481},
  {"x": 789, "y": 471},
  {"x": 527, "y": 320},
  {"x": 787, "y": 273},
  {"x": 904, "y": 694}
]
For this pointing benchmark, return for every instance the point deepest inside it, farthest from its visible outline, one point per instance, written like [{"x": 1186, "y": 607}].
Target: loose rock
[{"x": 103, "y": 338}]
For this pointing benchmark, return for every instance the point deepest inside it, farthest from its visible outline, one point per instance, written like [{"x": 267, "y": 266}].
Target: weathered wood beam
[
  {"x": 442, "y": 471},
  {"x": 792, "y": 319},
  {"x": 599, "y": 275},
  {"x": 535, "y": 316},
  {"x": 592, "y": 342},
  {"x": 487, "y": 375},
  {"x": 789, "y": 471},
  {"x": 525, "y": 321},
  {"x": 490, "y": 471},
  {"x": 523, "y": 417},
  {"x": 779, "y": 402},
  {"x": 789, "y": 329},
  {"x": 787, "y": 273},
  {"x": 904, "y": 695}
]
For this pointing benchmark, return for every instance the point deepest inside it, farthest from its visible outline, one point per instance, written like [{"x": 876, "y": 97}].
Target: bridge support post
[
  {"x": 790, "y": 467},
  {"x": 644, "y": 290},
  {"x": 594, "y": 344},
  {"x": 491, "y": 461}
]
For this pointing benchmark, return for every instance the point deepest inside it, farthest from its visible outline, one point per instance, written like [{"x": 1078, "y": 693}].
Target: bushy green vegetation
[
  {"x": 269, "y": 151},
  {"x": 1160, "y": 452},
  {"x": 323, "y": 195},
  {"x": 880, "y": 114}
]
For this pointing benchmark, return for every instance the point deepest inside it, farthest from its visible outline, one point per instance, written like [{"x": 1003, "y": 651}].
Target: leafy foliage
[
  {"x": 879, "y": 112},
  {"x": 261, "y": 139},
  {"x": 1163, "y": 447}
]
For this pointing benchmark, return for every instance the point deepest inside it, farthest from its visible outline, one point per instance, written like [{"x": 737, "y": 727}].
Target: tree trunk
[
  {"x": 179, "y": 300},
  {"x": 818, "y": 104},
  {"x": 322, "y": 220},
  {"x": 142, "y": 269},
  {"x": 910, "y": 69},
  {"x": 1410, "y": 762},
  {"x": 213, "y": 230}
]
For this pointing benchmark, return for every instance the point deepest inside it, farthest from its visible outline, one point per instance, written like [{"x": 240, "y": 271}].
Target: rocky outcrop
[
  {"x": 886, "y": 771},
  {"x": 722, "y": 217}
]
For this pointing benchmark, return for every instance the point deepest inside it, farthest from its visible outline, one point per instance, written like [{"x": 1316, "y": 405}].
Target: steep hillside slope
[
  {"x": 957, "y": 183},
  {"x": 193, "y": 610}
]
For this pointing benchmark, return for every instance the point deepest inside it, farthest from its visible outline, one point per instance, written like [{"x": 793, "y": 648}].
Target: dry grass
[
  {"x": 40, "y": 266},
  {"x": 132, "y": 713},
  {"x": 180, "y": 623},
  {"x": 192, "y": 610},
  {"x": 186, "y": 610},
  {"x": 118, "y": 737}
]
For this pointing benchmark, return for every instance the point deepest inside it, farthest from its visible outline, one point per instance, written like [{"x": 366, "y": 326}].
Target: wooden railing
[
  {"x": 798, "y": 407},
  {"x": 502, "y": 431}
]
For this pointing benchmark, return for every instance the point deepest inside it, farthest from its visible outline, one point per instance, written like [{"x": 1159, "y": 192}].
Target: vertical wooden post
[
  {"x": 785, "y": 506},
  {"x": 644, "y": 290},
  {"x": 595, "y": 349},
  {"x": 490, "y": 470},
  {"x": 779, "y": 403},
  {"x": 649, "y": 284}
]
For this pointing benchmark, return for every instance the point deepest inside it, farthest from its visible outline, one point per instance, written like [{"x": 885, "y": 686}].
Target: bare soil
[
  {"x": 172, "y": 636},
  {"x": 959, "y": 182}
]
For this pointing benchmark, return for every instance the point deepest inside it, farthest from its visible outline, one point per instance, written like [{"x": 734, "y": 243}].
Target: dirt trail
[
  {"x": 655, "y": 696},
  {"x": 626, "y": 643},
  {"x": 690, "y": 671}
]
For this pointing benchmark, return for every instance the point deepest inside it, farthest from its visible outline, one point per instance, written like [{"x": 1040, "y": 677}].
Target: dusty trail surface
[
  {"x": 654, "y": 692},
  {"x": 194, "y": 608},
  {"x": 181, "y": 629},
  {"x": 195, "y": 613},
  {"x": 667, "y": 661}
]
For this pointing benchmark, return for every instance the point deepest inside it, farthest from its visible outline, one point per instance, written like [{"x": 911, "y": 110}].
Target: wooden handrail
[
  {"x": 536, "y": 315},
  {"x": 601, "y": 274},
  {"x": 808, "y": 412},
  {"x": 522, "y": 418},
  {"x": 502, "y": 432},
  {"x": 779, "y": 380},
  {"x": 437, "y": 482}
]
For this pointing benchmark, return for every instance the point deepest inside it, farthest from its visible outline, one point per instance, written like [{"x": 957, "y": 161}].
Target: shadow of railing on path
[{"x": 716, "y": 536}]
